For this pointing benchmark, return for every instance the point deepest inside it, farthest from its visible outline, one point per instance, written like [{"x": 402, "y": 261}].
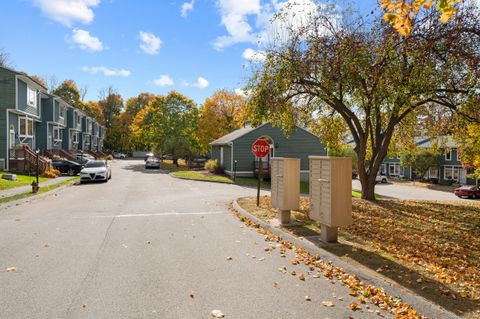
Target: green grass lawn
[
  {"x": 198, "y": 176},
  {"x": 244, "y": 181},
  {"x": 22, "y": 180},
  {"x": 43, "y": 189}
]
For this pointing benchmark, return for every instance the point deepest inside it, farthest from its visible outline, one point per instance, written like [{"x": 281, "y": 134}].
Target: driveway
[
  {"x": 408, "y": 192},
  {"x": 146, "y": 245}
]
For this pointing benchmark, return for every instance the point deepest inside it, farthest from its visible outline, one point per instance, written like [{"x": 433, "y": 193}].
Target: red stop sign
[{"x": 260, "y": 148}]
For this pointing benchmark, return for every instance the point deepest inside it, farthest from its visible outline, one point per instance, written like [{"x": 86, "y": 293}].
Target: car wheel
[
  {"x": 384, "y": 181},
  {"x": 110, "y": 176},
  {"x": 474, "y": 196},
  {"x": 71, "y": 172}
]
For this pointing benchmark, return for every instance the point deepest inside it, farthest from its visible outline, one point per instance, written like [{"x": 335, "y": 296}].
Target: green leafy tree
[
  {"x": 137, "y": 103},
  {"x": 366, "y": 73},
  {"x": 169, "y": 125},
  {"x": 420, "y": 160}
]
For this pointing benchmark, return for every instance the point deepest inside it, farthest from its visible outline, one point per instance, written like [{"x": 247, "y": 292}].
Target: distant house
[
  {"x": 449, "y": 168},
  {"x": 233, "y": 151}
]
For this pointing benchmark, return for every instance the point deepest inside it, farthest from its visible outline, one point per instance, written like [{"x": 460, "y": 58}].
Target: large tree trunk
[{"x": 368, "y": 186}]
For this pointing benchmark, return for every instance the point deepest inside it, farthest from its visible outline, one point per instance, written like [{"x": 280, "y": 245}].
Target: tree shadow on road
[{"x": 140, "y": 168}]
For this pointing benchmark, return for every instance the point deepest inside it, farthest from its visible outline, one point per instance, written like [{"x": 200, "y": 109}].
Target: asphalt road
[{"x": 139, "y": 245}]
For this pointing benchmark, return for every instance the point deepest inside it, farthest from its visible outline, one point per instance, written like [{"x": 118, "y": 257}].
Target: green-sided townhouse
[
  {"x": 20, "y": 112},
  {"x": 50, "y": 131},
  {"x": 87, "y": 132},
  {"x": 73, "y": 130}
]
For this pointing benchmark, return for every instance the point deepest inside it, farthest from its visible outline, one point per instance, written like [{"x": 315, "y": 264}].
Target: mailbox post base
[
  {"x": 284, "y": 216},
  {"x": 328, "y": 234}
]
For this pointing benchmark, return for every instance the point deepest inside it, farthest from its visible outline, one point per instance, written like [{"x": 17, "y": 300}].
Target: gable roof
[
  {"x": 230, "y": 137},
  {"x": 226, "y": 139}
]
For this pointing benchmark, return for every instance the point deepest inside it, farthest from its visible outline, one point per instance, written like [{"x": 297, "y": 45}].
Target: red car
[{"x": 467, "y": 191}]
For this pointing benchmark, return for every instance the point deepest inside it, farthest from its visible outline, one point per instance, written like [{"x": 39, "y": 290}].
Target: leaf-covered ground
[{"x": 431, "y": 247}]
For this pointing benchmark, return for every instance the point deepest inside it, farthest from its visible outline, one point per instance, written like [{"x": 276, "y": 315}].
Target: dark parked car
[
  {"x": 467, "y": 191},
  {"x": 67, "y": 167}
]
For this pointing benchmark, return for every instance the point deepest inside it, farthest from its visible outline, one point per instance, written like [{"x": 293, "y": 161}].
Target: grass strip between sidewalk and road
[
  {"x": 42, "y": 190},
  {"x": 243, "y": 181},
  {"x": 22, "y": 180}
]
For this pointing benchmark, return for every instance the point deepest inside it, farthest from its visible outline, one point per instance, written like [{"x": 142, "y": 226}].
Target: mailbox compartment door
[
  {"x": 277, "y": 183},
  {"x": 321, "y": 190}
]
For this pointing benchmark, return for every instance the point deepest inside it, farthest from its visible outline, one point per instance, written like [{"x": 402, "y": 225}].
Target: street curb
[{"x": 419, "y": 303}]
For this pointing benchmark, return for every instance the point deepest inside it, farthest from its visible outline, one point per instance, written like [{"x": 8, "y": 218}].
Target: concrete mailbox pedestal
[
  {"x": 331, "y": 194},
  {"x": 285, "y": 177}
]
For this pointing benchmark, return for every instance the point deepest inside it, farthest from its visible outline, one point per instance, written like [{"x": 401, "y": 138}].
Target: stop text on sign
[{"x": 260, "y": 148}]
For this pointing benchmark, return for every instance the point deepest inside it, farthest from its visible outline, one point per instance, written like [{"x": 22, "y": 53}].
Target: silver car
[
  {"x": 96, "y": 171},
  {"x": 152, "y": 162}
]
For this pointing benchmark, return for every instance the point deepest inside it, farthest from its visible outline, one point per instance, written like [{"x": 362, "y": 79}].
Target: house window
[
  {"x": 451, "y": 173},
  {"x": 448, "y": 156},
  {"x": 79, "y": 120},
  {"x": 62, "y": 112},
  {"x": 75, "y": 137},
  {"x": 25, "y": 127},
  {"x": 458, "y": 156},
  {"x": 433, "y": 172},
  {"x": 221, "y": 156},
  {"x": 57, "y": 134},
  {"x": 394, "y": 169},
  {"x": 31, "y": 97}
]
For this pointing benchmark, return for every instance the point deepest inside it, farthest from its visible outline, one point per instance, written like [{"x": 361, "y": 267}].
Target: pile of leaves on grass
[{"x": 442, "y": 239}]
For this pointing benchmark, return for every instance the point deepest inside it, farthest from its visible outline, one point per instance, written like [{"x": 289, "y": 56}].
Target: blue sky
[{"x": 194, "y": 47}]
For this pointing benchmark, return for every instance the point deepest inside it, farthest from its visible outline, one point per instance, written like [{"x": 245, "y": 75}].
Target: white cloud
[
  {"x": 295, "y": 14},
  {"x": 150, "y": 44},
  {"x": 106, "y": 71},
  {"x": 187, "y": 6},
  {"x": 253, "y": 55},
  {"x": 234, "y": 15},
  {"x": 85, "y": 41},
  {"x": 68, "y": 12},
  {"x": 201, "y": 83},
  {"x": 240, "y": 92},
  {"x": 163, "y": 80}
]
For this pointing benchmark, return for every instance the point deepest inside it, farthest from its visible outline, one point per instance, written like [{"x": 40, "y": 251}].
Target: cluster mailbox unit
[
  {"x": 331, "y": 194},
  {"x": 285, "y": 180}
]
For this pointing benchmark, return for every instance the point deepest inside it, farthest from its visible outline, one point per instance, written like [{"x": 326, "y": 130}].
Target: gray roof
[
  {"x": 441, "y": 141},
  {"x": 224, "y": 140}
]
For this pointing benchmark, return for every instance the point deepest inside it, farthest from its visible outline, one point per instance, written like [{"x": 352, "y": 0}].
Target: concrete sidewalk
[{"x": 28, "y": 188}]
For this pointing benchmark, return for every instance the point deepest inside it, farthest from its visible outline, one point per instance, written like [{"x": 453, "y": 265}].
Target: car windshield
[
  {"x": 151, "y": 158},
  {"x": 95, "y": 164}
]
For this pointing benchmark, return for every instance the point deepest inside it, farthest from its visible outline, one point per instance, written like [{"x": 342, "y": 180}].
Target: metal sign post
[{"x": 260, "y": 148}]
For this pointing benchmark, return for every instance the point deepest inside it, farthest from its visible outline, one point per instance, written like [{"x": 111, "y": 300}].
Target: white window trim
[
  {"x": 26, "y": 127},
  {"x": 458, "y": 157},
  {"x": 33, "y": 104},
  {"x": 449, "y": 158},
  {"x": 452, "y": 168},
  {"x": 60, "y": 108},
  {"x": 60, "y": 135}
]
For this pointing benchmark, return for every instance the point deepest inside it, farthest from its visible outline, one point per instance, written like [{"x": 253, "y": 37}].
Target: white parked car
[
  {"x": 381, "y": 178},
  {"x": 96, "y": 171}
]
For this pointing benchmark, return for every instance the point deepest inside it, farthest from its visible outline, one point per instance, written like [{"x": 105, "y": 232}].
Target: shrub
[
  {"x": 445, "y": 182},
  {"x": 211, "y": 166},
  {"x": 51, "y": 173},
  {"x": 108, "y": 158}
]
